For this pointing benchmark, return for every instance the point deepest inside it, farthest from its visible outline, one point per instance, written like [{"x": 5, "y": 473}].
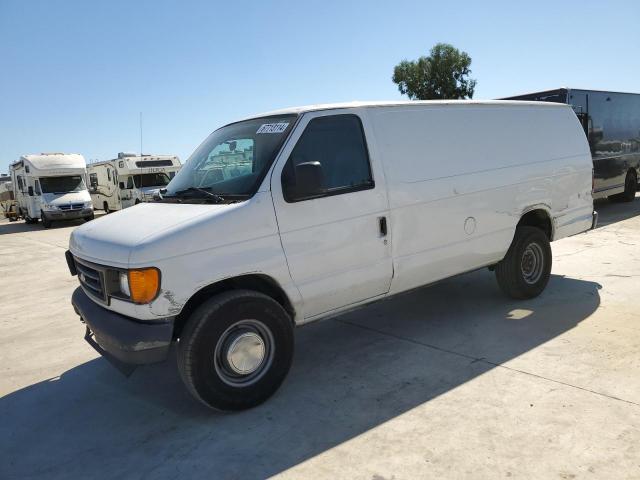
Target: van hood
[
  {"x": 149, "y": 232},
  {"x": 59, "y": 199}
]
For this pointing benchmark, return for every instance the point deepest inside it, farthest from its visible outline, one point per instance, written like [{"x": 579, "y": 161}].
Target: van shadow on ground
[{"x": 350, "y": 375}]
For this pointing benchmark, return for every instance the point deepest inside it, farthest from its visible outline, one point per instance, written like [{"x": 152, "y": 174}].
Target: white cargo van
[
  {"x": 300, "y": 214},
  {"x": 51, "y": 187},
  {"x": 129, "y": 179}
]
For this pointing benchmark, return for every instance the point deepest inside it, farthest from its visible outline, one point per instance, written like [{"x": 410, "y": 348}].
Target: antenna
[{"x": 140, "y": 133}]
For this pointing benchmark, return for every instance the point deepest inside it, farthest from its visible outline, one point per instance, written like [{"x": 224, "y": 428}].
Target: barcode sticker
[{"x": 273, "y": 127}]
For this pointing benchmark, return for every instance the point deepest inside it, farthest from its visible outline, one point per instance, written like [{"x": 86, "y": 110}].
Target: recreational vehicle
[
  {"x": 129, "y": 179},
  {"x": 611, "y": 122},
  {"x": 339, "y": 206},
  {"x": 51, "y": 187}
]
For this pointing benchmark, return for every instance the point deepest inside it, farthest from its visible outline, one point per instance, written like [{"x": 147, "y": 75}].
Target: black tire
[
  {"x": 27, "y": 218},
  {"x": 46, "y": 223},
  {"x": 89, "y": 218},
  {"x": 630, "y": 187},
  {"x": 214, "y": 328},
  {"x": 137, "y": 201},
  {"x": 525, "y": 270},
  {"x": 105, "y": 207}
]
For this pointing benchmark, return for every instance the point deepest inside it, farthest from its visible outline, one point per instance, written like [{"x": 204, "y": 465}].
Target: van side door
[{"x": 331, "y": 205}]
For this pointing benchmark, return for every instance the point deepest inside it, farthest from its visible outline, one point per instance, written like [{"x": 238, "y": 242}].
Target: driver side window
[{"x": 336, "y": 146}]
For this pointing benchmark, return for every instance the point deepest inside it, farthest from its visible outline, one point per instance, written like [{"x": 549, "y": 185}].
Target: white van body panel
[
  {"x": 452, "y": 179},
  {"x": 461, "y": 177}
]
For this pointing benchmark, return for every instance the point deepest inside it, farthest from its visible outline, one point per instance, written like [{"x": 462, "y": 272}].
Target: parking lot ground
[{"x": 448, "y": 381}]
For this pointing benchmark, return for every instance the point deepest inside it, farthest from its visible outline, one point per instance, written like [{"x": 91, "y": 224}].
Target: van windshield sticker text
[{"x": 273, "y": 127}]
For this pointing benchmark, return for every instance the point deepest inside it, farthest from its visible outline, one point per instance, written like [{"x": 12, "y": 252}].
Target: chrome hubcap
[
  {"x": 532, "y": 263},
  {"x": 244, "y": 353}
]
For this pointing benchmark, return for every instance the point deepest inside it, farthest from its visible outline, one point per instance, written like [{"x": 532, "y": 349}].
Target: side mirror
[
  {"x": 30, "y": 191},
  {"x": 122, "y": 187},
  {"x": 309, "y": 179}
]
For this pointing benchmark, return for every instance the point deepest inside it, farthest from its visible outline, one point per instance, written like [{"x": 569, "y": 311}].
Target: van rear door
[{"x": 332, "y": 210}]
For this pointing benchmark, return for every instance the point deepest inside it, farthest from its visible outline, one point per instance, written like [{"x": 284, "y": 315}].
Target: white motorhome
[
  {"x": 129, "y": 179},
  {"x": 325, "y": 209},
  {"x": 50, "y": 187}
]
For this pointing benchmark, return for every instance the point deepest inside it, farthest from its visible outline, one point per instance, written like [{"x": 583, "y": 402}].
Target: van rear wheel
[
  {"x": 235, "y": 350},
  {"x": 630, "y": 187},
  {"x": 525, "y": 270},
  {"x": 105, "y": 207}
]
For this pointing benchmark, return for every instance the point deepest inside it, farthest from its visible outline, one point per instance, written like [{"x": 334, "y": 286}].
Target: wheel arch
[
  {"x": 538, "y": 217},
  {"x": 254, "y": 281}
]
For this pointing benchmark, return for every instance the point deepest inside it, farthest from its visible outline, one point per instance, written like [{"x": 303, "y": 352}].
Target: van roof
[{"x": 412, "y": 103}]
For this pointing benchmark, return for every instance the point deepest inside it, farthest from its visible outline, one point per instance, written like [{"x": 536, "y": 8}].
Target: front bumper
[
  {"x": 123, "y": 341},
  {"x": 56, "y": 215}
]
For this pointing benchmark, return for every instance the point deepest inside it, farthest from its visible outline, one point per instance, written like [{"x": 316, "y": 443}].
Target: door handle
[{"x": 383, "y": 226}]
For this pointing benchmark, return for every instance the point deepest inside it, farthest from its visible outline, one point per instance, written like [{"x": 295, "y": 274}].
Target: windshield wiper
[{"x": 203, "y": 191}]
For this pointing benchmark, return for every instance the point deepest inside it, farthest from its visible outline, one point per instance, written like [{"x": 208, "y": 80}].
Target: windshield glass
[
  {"x": 72, "y": 183},
  {"x": 151, "y": 180},
  {"x": 234, "y": 159}
]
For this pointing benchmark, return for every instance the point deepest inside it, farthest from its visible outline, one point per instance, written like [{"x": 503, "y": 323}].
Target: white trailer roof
[{"x": 45, "y": 161}]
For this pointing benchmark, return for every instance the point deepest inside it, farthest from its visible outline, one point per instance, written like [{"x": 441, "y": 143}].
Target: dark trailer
[{"x": 611, "y": 121}]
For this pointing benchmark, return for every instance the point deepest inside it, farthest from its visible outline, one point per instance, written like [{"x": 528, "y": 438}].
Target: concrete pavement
[{"x": 449, "y": 381}]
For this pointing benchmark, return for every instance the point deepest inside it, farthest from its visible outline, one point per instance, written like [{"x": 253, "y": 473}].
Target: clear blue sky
[{"x": 74, "y": 74}]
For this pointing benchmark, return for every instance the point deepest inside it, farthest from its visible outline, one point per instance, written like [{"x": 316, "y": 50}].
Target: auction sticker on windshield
[{"x": 273, "y": 127}]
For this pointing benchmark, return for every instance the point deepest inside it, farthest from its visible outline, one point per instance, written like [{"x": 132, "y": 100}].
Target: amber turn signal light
[{"x": 144, "y": 284}]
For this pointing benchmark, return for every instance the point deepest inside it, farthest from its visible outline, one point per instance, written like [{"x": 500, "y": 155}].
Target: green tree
[{"x": 443, "y": 75}]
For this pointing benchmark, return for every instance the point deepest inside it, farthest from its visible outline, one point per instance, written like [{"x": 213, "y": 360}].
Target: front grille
[
  {"x": 73, "y": 206},
  {"x": 91, "y": 280}
]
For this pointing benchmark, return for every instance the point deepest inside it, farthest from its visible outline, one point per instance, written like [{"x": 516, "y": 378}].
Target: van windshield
[
  {"x": 151, "y": 180},
  {"x": 232, "y": 161},
  {"x": 72, "y": 183}
]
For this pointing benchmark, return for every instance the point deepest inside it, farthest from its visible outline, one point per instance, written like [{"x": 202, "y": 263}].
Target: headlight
[
  {"x": 141, "y": 285},
  {"x": 88, "y": 205}
]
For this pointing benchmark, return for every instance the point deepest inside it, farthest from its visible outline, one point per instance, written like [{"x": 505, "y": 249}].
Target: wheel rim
[
  {"x": 244, "y": 353},
  {"x": 532, "y": 263}
]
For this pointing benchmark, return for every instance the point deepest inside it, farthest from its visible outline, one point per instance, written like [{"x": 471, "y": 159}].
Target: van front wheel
[
  {"x": 46, "y": 223},
  {"x": 525, "y": 270},
  {"x": 235, "y": 350}
]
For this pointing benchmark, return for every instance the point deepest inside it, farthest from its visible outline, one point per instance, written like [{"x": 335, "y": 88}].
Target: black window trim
[{"x": 339, "y": 190}]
